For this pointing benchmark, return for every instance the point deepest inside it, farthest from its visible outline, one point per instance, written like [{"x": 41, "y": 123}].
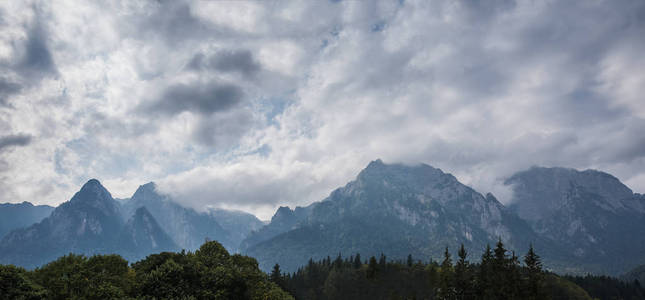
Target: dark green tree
[
  {"x": 16, "y": 284},
  {"x": 463, "y": 275},
  {"x": 357, "y": 261},
  {"x": 484, "y": 282},
  {"x": 446, "y": 277},
  {"x": 534, "y": 275}
]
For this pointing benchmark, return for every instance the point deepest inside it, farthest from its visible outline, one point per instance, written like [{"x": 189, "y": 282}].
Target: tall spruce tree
[
  {"x": 447, "y": 278},
  {"x": 463, "y": 275},
  {"x": 485, "y": 280},
  {"x": 534, "y": 275}
]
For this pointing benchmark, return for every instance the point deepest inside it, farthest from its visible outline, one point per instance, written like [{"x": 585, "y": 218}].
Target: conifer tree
[
  {"x": 463, "y": 275},
  {"x": 534, "y": 278},
  {"x": 357, "y": 261},
  {"x": 447, "y": 287},
  {"x": 409, "y": 262},
  {"x": 485, "y": 275}
]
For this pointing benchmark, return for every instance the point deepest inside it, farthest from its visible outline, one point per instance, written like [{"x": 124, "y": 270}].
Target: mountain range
[
  {"x": 93, "y": 222},
  {"x": 578, "y": 221}
]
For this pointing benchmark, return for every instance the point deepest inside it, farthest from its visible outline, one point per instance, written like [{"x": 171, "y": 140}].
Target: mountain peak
[{"x": 92, "y": 191}]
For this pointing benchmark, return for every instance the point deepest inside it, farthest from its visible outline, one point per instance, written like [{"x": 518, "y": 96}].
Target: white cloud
[{"x": 479, "y": 91}]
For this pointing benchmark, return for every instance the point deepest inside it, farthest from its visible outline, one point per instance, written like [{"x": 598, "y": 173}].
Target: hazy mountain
[
  {"x": 18, "y": 215},
  {"x": 238, "y": 224},
  {"x": 282, "y": 221},
  {"x": 187, "y": 227},
  {"x": 597, "y": 220},
  {"x": 88, "y": 223},
  {"x": 141, "y": 236},
  {"x": 397, "y": 210}
]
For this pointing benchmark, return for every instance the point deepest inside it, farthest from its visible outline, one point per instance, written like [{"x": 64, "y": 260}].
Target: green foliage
[
  {"x": 16, "y": 284},
  {"x": 407, "y": 280},
  {"x": 209, "y": 273}
]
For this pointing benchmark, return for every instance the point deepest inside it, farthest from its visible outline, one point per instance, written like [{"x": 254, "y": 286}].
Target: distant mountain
[
  {"x": 141, "y": 236},
  {"x": 88, "y": 223},
  {"x": 238, "y": 224},
  {"x": 187, "y": 227},
  {"x": 283, "y": 220},
  {"x": 637, "y": 273},
  {"x": 397, "y": 210},
  {"x": 598, "y": 221},
  {"x": 18, "y": 215}
]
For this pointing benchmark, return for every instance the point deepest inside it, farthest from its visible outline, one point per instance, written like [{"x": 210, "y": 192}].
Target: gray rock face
[
  {"x": 596, "y": 220},
  {"x": 20, "y": 215},
  {"x": 283, "y": 220},
  {"x": 87, "y": 224},
  {"x": 238, "y": 224},
  {"x": 393, "y": 209},
  {"x": 187, "y": 228},
  {"x": 141, "y": 236}
]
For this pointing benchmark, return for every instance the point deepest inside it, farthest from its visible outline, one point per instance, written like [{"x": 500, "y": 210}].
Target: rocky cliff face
[
  {"x": 398, "y": 210},
  {"x": 187, "y": 227},
  {"x": 89, "y": 223},
  {"x": 19, "y": 215},
  {"x": 597, "y": 220},
  {"x": 142, "y": 235}
]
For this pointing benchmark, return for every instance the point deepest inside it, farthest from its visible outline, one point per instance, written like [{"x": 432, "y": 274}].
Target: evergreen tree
[
  {"x": 485, "y": 275},
  {"x": 446, "y": 288},
  {"x": 463, "y": 275},
  {"x": 372, "y": 267},
  {"x": 382, "y": 261},
  {"x": 357, "y": 261},
  {"x": 276, "y": 276},
  {"x": 410, "y": 261},
  {"x": 500, "y": 271},
  {"x": 535, "y": 278}
]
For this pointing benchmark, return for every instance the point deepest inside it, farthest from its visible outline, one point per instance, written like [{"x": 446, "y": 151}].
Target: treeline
[
  {"x": 498, "y": 275},
  {"x": 208, "y": 273},
  {"x": 605, "y": 287}
]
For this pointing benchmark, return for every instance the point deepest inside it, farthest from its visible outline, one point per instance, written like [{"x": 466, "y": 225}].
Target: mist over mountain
[
  {"x": 93, "y": 222},
  {"x": 18, "y": 215},
  {"x": 597, "y": 220},
  {"x": 88, "y": 223},
  {"x": 580, "y": 221}
]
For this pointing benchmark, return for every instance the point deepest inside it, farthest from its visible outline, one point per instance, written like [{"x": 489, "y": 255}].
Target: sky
[{"x": 253, "y": 105}]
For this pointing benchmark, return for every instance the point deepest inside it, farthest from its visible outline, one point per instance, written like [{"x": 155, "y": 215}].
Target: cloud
[
  {"x": 234, "y": 61},
  {"x": 14, "y": 140},
  {"x": 7, "y": 88},
  {"x": 253, "y": 105},
  {"x": 198, "y": 98},
  {"x": 37, "y": 60}
]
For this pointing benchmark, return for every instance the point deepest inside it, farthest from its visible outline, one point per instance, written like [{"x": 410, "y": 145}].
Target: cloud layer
[{"x": 251, "y": 105}]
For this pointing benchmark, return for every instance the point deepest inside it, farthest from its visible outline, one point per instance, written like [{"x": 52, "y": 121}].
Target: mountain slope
[
  {"x": 238, "y": 224},
  {"x": 188, "y": 228},
  {"x": 597, "y": 220},
  {"x": 142, "y": 235},
  {"x": 88, "y": 223},
  {"x": 18, "y": 215},
  {"x": 397, "y": 210},
  {"x": 283, "y": 220}
]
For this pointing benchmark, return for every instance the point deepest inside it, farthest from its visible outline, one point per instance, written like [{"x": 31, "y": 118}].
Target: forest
[{"x": 212, "y": 273}]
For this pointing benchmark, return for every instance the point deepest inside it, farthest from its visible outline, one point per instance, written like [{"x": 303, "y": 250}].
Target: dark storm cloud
[
  {"x": 204, "y": 99},
  {"x": 7, "y": 88},
  {"x": 234, "y": 61},
  {"x": 37, "y": 60},
  {"x": 14, "y": 140}
]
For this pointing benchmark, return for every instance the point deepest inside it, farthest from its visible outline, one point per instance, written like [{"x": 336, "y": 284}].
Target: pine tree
[
  {"x": 276, "y": 276},
  {"x": 500, "y": 271},
  {"x": 357, "y": 261},
  {"x": 382, "y": 261},
  {"x": 485, "y": 275},
  {"x": 446, "y": 287},
  {"x": 409, "y": 262},
  {"x": 463, "y": 276},
  {"x": 534, "y": 280},
  {"x": 372, "y": 267}
]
